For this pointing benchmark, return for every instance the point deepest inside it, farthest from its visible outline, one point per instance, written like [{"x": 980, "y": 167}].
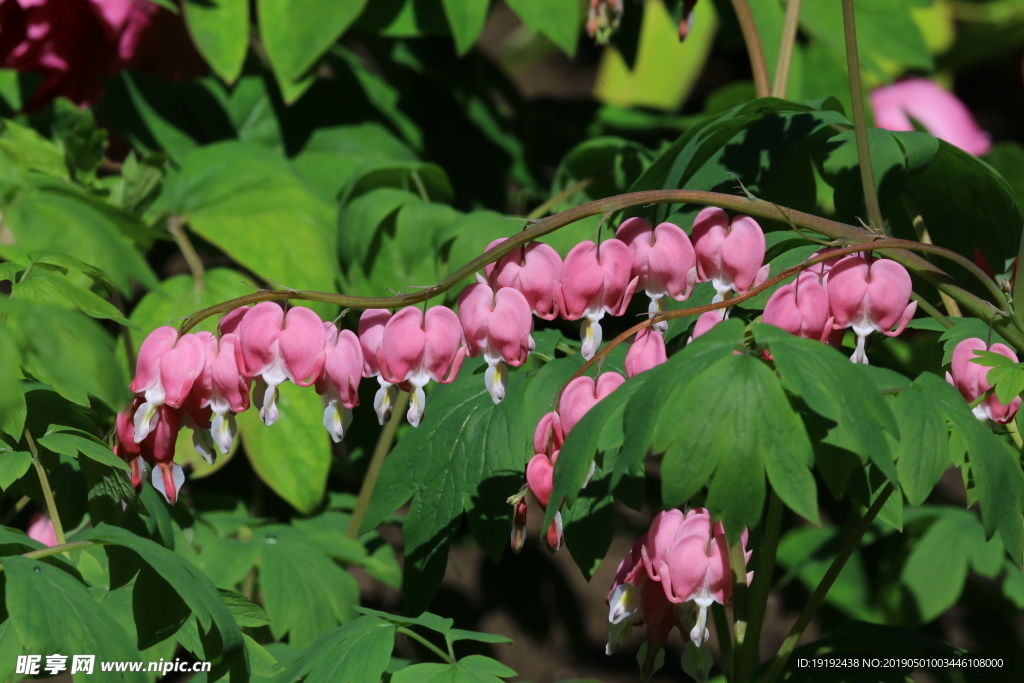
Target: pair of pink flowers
[
  {"x": 578, "y": 397},
  {"x": 971, "y": 380},
  {"x": 857, "y": 291},
  {"x": 670, "y": 578}
]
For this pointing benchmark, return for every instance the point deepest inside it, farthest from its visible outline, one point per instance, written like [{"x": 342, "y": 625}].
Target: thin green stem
[
  {"x": 818, "y": 596},
  {"x": 781, "y": 84},
  {"x": 427, "y": 644},
  {"x": 19, "y": 505},
  {"x": 978, "y": 401},
  {"x": 760, "y": 586},
  {"x": 44, "y": 483},
  {"x": 923, "y": 304},
  {"x": 758, "y": 66},
  {"x": 554, "y": 201},
  {"x": 175, "y": 226},
  {"x": 380, "y": 451},
  {"x": 1018, "y": 288},
  {"x": 867, "y": 174},
  {"x": 740, "y": 607},
  {"x": 57, "y": 549},
  {"x": 753, "y": 207},
  {"x": 724, "y": 638}
]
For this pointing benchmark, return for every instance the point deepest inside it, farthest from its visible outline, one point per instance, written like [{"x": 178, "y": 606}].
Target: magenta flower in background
[
  {"x": 938, "y": 110},
  {"x": 40, "y": 528}
]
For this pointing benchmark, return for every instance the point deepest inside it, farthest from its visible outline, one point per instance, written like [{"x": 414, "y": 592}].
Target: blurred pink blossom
[{"x": 938, "y": 110}]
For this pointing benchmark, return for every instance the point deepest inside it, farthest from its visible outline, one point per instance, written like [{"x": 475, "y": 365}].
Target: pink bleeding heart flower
[
  {"x": 40, "y": 529},
  {"x": 695, "y": 567},
  {"x": 938, "y": 110},
  {"x": 729, "y": 253},
  {"x": 417, "y": 348},
  {"x": 540, "y": 478},
  {"x": 497, "y": 325},
  {"x": 166, "y": 369},
  {"x": 276, "y": 347},
  {"x": 646, "y": 352},
  {"x": 971, "y": 380},
  {"x": 870, "y": 295},
  {"x": 801, "y": 308},
  {"x": 371, "y": 333},
  {"x": 637, "y": 600},
  {"x": 664, "y": 261},
  {"x": 158, "y": 452},
  {"x": 533, "y": 270},
  {"x": 595, "y": 280},
  {"x": 230, "y": 321},
  {"x": 125, "y": 446},
  {"x": 229, "y": 390},
  {"x": 548, "y": 437},
  {"x": 339, "y": 382},
  {"x": 582, "y": 394},
  {"x": 706, "y": 321}
]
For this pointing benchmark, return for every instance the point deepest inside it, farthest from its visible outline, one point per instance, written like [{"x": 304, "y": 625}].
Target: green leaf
[
  {"x": 1008, "y": 381},
  {"x": 12, "y": 398},
  {"x": 297, "y": 32},
  {"x": 923, "y": 449},
  {"x": 358, "y": 652},
  {"x": 47, "y": 286},
  {"x": 559, "y": 20},
  {"x": 965, "y": 328},
  {"x": 190, "y": 584},
  {"x": 294, "y": 455},
  {"x": 838, "y": 390},
  {"x": 246, "y": 613},
  {"x": 471, "y": 669},
  {"x": 467, "y": 455},
  {"x": 13, "y": 466},
  {"x": 82, "y": 142},
  {"x": 250, "y": 202},
  {"x": 70, "y": 442},
  {"x": 220, "y": 31},
  {"x": 458, "y": 634},
  {"x": 51, "y": 612},
  {"x": 426, "y": 620},
  {"x": 66, "y": 262},
  {"x": 466, "y": 19},
  {"x": 360, "y": 220},
  {"x": 305, "y": 593},
  {"x": 994, "y": 466},
  {"x": 735, "y": 421}
]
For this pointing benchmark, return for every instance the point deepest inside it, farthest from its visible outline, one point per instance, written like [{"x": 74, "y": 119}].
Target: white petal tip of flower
[
  {"x": 168, "y": 480},
  {"x": 202, "y": 441},
  {"x": 223, "y": 431},
  {"x": 145, "y": 421},
  {"x": 383, "y": 401},
  {"x": 590, "y": 474},
  {"x": 496, "y": 379},
  {"x": 416, "y": 406},
  {"x": 590, "y": 335}
]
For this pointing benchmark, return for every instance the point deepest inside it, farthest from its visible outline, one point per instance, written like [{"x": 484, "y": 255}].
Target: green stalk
[
  {"x": 44, "y": 483},
  {"x": 760, "y": 586},
  {"x": 867, "y": 174},
  {"x": 931, "y": 310},
  {"x": 756, "y": 53},
  {"x": 851, "y": 544},
  {"x": 740, "y": 608},
  {"x": 57, "y": 549},
  {"x": 1018, "y": 288},
  {"x": 781, "y": 84},
  {"x": 724, "y": 638},
  {"x": 380, "y": 451},
  {"x": 426, "y": 643},
  {"x": 848, "y": 234}
]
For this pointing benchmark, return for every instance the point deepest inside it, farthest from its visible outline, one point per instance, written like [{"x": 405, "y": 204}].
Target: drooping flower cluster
[
  {"x": 971, "y": 380},
  {"x": 670, "y": 578},
  {"x": 857, "y": 291}
]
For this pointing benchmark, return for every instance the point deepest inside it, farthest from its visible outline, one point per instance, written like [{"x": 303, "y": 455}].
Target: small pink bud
[
  {"x": 40, "y": 529},
  {"x": 533, "y": 270},
  {"x": 338, "y": 384},
  {"x": 278, "y": 347},
  {"x": 663, "y": 258},
  {"x": 582, "y": 394},
  {"x": 594, "y": 281},
  {"x": 938, "y": 110},
  {"x": 646, "y": 352},
  {"x": 729, "y": 253},
  {"x": 870, "y": 296},
  {"x": 497, "y": 325},
  {"x": 519, "y": 526},
  {"x": 417, "y": 348},
  {"x": 801, "y": 308},
  {"x": 971, "y": 380}
]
